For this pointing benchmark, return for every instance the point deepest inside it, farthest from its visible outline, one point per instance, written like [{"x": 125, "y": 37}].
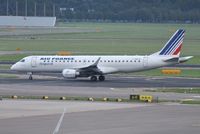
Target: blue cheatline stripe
[
  {"x": 175, "y": 45},
  {"x": 170, "y": 42},
  {"x": 175, "y": 42}
]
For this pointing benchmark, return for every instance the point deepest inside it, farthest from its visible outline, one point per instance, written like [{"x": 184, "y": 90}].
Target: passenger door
[{"x": 34, "y": 62}]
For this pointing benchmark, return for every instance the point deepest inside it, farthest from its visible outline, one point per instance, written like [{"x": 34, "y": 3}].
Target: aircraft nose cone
[{"x": 13, "y": 67}]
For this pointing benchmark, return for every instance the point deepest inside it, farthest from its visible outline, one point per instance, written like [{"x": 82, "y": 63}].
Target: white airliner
[{"x": 96, "y": 67}]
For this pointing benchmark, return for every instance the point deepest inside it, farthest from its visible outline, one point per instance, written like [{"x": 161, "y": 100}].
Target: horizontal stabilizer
[
  {"x": 184, "y": 59},
  {"x": 174, "y": 59},
  {"x": 178, "y": 59}
]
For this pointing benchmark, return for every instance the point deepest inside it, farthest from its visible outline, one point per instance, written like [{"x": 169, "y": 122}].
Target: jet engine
[{"x": 70, "y": 73}]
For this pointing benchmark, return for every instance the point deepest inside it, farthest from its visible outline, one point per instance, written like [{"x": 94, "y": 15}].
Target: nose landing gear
[{"x": 30, "y": 75}]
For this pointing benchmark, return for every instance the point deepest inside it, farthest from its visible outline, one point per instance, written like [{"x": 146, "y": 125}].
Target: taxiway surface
[
  {"x": 41, "y": 117},
  {"x": 114, "y": 86}
]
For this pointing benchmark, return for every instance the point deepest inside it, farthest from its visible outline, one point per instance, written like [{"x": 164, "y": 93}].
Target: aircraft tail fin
[{"x": 174, "y": 44}]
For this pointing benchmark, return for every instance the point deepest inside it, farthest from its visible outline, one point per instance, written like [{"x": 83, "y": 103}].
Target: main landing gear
[
  {"x": 101, "y": 78},
  {"x": 94, "y": 78}
]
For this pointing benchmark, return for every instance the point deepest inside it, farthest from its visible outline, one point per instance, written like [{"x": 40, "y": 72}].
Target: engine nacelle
[{"x": 70, "y": 73}]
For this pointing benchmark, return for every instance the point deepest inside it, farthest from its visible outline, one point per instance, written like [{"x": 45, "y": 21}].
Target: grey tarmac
[
  {"x": 115, "y": 86},
  {"x": 41, "y": 117}
]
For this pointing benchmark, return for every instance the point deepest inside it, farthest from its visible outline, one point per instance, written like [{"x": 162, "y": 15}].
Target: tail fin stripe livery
[
  {"x": 177, "y": 50},
  {"x": 176, "y": 45},
  {"x": 173, "y": 43},
  {"x": 169, "y": 43}
]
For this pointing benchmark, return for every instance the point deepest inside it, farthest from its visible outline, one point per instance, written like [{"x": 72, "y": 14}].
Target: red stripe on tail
[{"x": 177, "y": 50}]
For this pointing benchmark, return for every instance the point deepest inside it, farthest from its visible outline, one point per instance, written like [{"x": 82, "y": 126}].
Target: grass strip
[
  {"x": 8, "y": 76},
  {"x": 97, "y": 99},
  {"x": 191, "y": 102},
  {"x": 178, "y": 90},
  {"x": 68, "y": 98}
]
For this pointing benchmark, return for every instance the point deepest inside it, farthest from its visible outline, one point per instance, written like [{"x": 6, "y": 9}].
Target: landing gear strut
[{"x": 30, "y": 76}]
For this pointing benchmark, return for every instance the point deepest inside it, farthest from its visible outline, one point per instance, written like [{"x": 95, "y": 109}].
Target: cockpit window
[{"x": 23, "y": 60}]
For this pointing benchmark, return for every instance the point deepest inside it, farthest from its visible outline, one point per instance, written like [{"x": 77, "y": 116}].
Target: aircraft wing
[{"x": 92, "y": 69}]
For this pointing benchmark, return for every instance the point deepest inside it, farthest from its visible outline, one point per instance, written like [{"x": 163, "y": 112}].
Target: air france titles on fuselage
[{"x": 52, "y": 60}]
